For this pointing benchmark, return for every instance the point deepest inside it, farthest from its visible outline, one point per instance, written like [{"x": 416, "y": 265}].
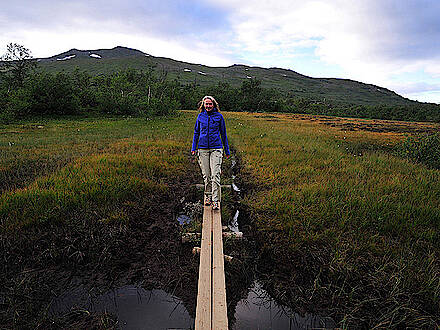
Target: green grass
[
  {"x": 366, "y": 228},
  {"x": 52, "y": 169},
  {"x": 73, "y": 165},
  {"x": 355, "y": 236}
]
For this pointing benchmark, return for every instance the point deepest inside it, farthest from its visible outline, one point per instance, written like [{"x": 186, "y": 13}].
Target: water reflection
[
  {"x": 183, "y": 219},
  {"x": 235, "y": 187},
  {"x": 233, "y": 224},
  {"x": 135, "y": 307},
  {"x": 259, "y": 311}
]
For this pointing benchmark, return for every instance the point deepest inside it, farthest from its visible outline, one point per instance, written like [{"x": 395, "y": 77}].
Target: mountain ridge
[{"x": 287, "y": 81}]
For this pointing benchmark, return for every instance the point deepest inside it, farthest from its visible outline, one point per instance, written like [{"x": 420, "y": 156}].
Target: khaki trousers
[{"x": 210, "y": 161}]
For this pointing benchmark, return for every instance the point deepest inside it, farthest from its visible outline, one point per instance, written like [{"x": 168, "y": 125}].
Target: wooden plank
[
  {"x": 223, "y": 186},
  {"x": 219, "y": 307},
  {"x": 204, "y": 298}
]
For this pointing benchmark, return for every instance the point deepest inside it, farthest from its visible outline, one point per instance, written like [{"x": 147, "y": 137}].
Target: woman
[{"x": 209, "y": 140}]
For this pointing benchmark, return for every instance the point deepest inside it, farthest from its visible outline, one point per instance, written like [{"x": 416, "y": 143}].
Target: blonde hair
[{"x": 201, "y": 105}]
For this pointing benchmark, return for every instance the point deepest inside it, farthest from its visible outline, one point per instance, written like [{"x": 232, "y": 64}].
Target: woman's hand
[{"x": 193, "y": 153}]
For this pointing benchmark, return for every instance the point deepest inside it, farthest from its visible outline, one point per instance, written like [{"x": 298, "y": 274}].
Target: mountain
[
  {"x": 342, "y": 91},
  {"x": 117, "y": 52}
]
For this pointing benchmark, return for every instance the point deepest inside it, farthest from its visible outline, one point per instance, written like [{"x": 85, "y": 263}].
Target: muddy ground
[
  {"x": 379, "y": 126},
  {"x": 42, "y": 262}
]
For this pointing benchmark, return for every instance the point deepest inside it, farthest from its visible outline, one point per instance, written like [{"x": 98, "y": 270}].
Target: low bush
[
  {"x": 52, "y": 94},
  {"x": 423, "y": 149}
]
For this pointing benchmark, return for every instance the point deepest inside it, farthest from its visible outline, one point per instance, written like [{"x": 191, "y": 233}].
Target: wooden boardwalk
[{"x": 211, "y": 311}]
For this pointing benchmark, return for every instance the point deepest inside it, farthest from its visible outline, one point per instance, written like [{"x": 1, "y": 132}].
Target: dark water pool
[
  {"x": 137, "y": 308},
  {"x": 259, "y": 311}
]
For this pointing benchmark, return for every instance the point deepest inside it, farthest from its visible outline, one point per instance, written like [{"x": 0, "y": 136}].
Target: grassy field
[
  {"x": 358, "y": 225},
  {"x": 51, "y": 169},
  {"x": 343, "y": 226}
]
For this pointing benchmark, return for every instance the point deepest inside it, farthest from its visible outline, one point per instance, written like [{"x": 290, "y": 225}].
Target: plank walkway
[{"x": 211, "y": 311}]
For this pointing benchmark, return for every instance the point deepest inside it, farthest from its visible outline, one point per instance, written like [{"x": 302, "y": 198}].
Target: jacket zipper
[{"x": 208, "y": 128}]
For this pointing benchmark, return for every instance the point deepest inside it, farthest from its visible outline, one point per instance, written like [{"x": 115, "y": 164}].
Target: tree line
[{"x": 26, "y": 91}]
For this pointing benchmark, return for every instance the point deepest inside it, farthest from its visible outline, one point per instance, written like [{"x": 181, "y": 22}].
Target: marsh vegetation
[{"x": 340, "y": 223}]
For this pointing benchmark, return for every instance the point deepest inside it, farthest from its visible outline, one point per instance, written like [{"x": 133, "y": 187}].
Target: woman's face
[{"x": 208, "y": 104}]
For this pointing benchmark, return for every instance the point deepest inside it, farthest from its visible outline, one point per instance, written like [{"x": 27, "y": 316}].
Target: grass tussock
[{"x": 125, "y": 168}]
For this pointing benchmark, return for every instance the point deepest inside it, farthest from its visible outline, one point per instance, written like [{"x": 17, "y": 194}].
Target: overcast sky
[{"x": 390, "y": 43}]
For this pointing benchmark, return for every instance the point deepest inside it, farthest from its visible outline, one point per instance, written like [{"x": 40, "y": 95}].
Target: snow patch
[
  {"x": 95, "y": 55},
  {"x": 203, "y": 73},
  {"x": 248, "y": 77},
  {"x": 246, "y": 69},
  {"x": 284, "y": 75},
  {"x": 187, "y": 70},
  {"x": 66, "y": 58}
]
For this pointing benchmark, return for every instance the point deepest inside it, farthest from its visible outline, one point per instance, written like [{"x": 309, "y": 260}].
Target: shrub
[
  {"x": 116, "y": 95},
  {"x": 52, "y": 94},
  {"x": 84, "y": 89},
  {"x": 162, "y": 106},
  {"x": 228, "y": 97},
  {"x": 422, "y": 148}
]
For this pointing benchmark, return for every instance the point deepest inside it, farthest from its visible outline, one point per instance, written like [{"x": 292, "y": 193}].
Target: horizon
[{"x": 388, "y": 44}]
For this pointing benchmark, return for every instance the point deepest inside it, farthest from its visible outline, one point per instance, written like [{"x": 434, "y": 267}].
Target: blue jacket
[{"x": 210, "y": 132}]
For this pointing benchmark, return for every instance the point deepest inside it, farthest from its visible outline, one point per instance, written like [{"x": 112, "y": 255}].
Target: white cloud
[
  {"x": 428, "y": 96},
  {"x": 418, "y": 87},
  {"x": 45, "y": 43},
  {"x": 433, "y": 68},
  {"x": 371, "y": 41},
  {"x": 156, "y": 27}
]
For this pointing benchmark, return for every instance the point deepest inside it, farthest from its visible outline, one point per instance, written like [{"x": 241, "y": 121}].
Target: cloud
[
  {"x": 175, "y": 28},
  {"x": 160, "y": 18},
  {"x": 426, "y": 96},
  {"x": 418, "y": 87},
  {"x": 372, "y": 41}
]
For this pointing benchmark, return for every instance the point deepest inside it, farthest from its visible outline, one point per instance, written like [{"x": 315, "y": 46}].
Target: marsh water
[{"x": 137, "y": 308}]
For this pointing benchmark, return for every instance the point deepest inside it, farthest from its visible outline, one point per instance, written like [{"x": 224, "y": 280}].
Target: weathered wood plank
[
  {"x": 219, "y": 307},
  {"x": 223, "y": 186},
  {"x": 204, "y": 298}
]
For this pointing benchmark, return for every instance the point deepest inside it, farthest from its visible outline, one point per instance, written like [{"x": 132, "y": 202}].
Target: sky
[{"x": 390, "y": 43}]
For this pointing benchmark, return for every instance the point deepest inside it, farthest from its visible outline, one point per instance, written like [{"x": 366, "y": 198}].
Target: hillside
[{"x": 343, "y": 91}]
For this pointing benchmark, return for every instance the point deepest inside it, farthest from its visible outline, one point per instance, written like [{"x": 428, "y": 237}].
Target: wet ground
[
  {"x": 357, "y": 124},
  {"x": 379, "y": 126},
  {"x": 139, "y": 275},
  {"x": 168, "y": 301}
]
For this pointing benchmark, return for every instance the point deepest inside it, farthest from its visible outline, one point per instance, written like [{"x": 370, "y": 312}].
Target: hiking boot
[
  {"x": 207, "y": 200},
  {"x": 215, "y": 205}
]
